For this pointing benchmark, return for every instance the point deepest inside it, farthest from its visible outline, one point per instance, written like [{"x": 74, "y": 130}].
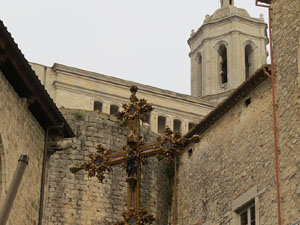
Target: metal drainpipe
[
  {"x": 43, "y": 178},
  {"x": 13, "y": 189},
  {"x": 272, "y": 75}
]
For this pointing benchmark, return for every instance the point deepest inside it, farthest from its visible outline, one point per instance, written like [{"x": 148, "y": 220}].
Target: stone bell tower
[{"x": 225, "y": 51}]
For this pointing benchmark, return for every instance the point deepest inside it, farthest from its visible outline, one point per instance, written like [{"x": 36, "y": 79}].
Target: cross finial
[{"x": 133, "y": 89}]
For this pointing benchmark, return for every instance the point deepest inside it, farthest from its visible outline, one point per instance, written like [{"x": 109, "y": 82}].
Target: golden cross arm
[
  {"x": 133, "y": 155},
  {"x": 166, "y": 148}
]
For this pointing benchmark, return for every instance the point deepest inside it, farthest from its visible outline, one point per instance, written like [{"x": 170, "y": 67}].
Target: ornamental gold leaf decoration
[
  {"x": 132, "y": 217},
  {"x": 137, "y": 109},
  {"x": 97, "y": 165},
  {"x": 172, "y": 144}
]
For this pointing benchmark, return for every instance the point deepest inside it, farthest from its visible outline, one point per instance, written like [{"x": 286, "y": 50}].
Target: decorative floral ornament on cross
[
  {"x": 98, "y": 164},
  {"x": 172, "y": 144},
  {"x": 132, "y": 217},
  {"x": 137, "y": 109}
]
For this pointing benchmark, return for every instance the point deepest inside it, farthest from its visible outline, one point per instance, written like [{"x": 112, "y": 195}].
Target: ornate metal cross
[{"x": 133, "y": 155}]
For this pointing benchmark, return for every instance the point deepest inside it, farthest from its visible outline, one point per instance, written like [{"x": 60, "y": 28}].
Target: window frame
[
  {"x": 248, "y": 210},
  {"x": 243, "y": 202},
  {"x": 96, "y": 102},
  {"x": 158, "y": 124},
  {"x": 113, "y": 109}
]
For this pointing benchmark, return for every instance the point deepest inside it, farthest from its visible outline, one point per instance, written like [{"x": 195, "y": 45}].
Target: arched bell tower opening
[
  {"x": 249, "y": 61},
  {"x": 223, "y": 64},
  {"x": 200, "y": 71}
]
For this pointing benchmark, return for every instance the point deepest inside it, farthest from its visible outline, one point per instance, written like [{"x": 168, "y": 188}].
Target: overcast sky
[{"x": 139, "y": 40}]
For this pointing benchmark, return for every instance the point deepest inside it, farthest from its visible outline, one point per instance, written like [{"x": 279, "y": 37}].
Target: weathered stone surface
[
  {"x": 20, "y": 134},
  {"x": 78, "y": 199},
  {"x": 235, "y": 161},
  {"x": 234, "y": 155},
  {"x": 286, "y": 37}
]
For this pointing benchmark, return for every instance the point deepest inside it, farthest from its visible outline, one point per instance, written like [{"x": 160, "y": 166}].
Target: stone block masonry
[
  {"x": 286, "y": 41},
  {"x": 20, "y": 133},
  {"x": 81, "y": 200},
  {"x": 231, "y": 167}
]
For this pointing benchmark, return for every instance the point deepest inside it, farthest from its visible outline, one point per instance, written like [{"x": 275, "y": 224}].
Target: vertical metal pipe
[
  {"x": 274, "y": 114},
  {"x": 43, "y": 177},
  {"x": 13, "y": 189}
]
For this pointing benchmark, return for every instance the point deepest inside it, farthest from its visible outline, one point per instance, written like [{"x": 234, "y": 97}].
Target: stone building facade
[
  {"x": 26, "y": 111},
  {"x": 78, "y": 199},
  {"x": 229, "y": 177},
  {"x": 225, "y": 51},
  {"x": 286, "y": 37},
  {"x": 232, "y": 167},
  {"x": 79, "y": 89},
  {"x": 20, "y": 134}
]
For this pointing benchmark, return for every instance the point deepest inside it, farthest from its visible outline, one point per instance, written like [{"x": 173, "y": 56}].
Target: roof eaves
[{"x": 45, "y": 105}]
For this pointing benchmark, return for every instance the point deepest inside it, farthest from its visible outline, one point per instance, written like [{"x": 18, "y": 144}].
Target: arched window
[
  {"x": 161, "y": 124},
  {"x": 223, "y": 71},
  {"x": 200, "y": 74},
  {"x": 230, "y": 2},
  {"x": 114, "y": 109},
  {"x": 2, "y": 170},
  {"x": 249, "y": 61},
  {"x": 191, "y": 125},
  {"x": 177, "y": 126},
  {"x": 97, "y": 106}
]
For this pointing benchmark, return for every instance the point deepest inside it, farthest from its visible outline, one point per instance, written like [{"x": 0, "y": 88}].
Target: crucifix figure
[{"x": 134, "y": 155}]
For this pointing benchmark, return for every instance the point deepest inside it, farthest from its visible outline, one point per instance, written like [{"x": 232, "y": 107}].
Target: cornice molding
[
  {"x": 231, "y": 18},
  {"x": 95, "y": 77},
  {"x": 106, "y": 97}
]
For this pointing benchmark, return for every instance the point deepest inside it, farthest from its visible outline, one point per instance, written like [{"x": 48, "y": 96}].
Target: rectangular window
[
  {"x": 177, "y": 126},
  {"x": 161, "y": 124},
  {"x": 247, "y": 216},
  {"x": 97, "y": 106},
  {"x": 113, "y": 110}
]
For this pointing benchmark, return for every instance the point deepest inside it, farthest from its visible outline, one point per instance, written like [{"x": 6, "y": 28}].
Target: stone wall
[
  {"x": 286, "y": 36},
  {"x": 231, "y": 166},
  {"x": 20, "y": 134},
  {"x": 234, "y": 163},
  {"x": 78, "y": 199}
]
